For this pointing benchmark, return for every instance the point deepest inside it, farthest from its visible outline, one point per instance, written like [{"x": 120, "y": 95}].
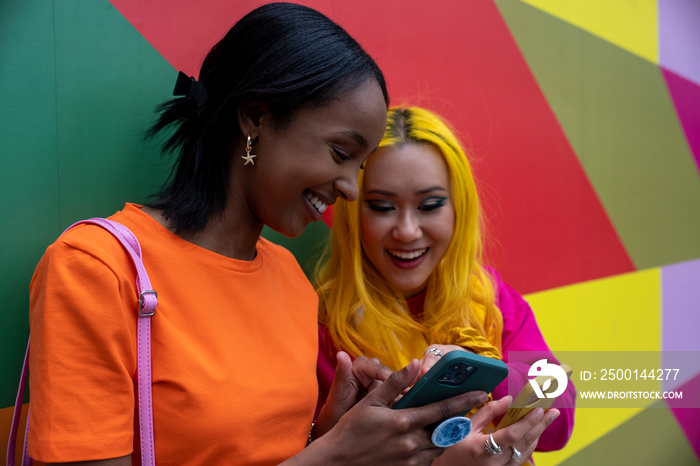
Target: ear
[{"x": 250, "y": 116}]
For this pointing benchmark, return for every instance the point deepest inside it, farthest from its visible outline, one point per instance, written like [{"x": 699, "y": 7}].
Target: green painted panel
[
  {"x": 615, "y": 109},
  {"x": 109, "y": 79},
  {"x": 78, "y": 86},
  {"x": 28, "y": 181},
  {"x": 652, "y": 437}
]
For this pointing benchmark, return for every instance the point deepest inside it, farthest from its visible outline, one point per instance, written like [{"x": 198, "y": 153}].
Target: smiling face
[
  {"x": 407, "y": 216},
  {"x": 305, "y": 166}
]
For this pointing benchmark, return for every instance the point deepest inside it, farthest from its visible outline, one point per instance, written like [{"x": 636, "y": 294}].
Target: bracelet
[{"x": 311, "y": 439}]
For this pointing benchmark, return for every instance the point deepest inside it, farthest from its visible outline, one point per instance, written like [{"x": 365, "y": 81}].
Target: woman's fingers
[
  {"x": 342, "y": 396},
  {"x": 533, "y": 435},
  {"x": 485, "y": 415},
  {"x": 432, "y": 355},
  {"x": 524, "y": 434},
  {"x": 394, "y": 385},
  {"x": 368, "y": 372},
  {"x": 516, "y": 432},
  {"x": 441, "y": 410},
  {"x": 344, "y": 388}
]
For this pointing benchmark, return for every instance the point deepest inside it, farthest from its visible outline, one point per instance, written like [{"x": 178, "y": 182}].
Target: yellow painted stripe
[
  {"x": 630, "y": 24},
  {"x": 621, "y": 313}
]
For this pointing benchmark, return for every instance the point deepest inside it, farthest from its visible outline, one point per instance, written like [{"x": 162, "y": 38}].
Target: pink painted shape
[
  {"x": 689, "y": 418},
  {"x": 679, "y": 37},
  {"x": 686, "y": 98}
]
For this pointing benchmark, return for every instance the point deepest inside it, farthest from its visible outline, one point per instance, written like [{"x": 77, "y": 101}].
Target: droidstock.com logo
[{"x": 542, "y": 368}]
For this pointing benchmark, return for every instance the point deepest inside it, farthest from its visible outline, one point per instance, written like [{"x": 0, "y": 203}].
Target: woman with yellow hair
[{"x": 403, "y": 278}]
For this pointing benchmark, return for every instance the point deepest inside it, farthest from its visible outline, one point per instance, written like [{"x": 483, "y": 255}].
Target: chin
[
  {"x": 290, "y": 231},
  {"x": 294, "y": 234},
  {"x": 404, "y": 288}
]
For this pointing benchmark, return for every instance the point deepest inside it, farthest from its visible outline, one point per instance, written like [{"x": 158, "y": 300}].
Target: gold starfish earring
[{"x": 248, "y": 157}]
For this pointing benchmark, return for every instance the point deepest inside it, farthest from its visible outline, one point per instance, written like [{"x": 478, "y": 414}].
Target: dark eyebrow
[
  {"x": 355, "y": 136},
  {"x": 431, "y": 189},
  {"x": 382, "y": 192}
]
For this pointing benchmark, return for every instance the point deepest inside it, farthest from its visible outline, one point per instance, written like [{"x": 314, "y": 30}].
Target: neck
[{"x": 225, "y": 235}]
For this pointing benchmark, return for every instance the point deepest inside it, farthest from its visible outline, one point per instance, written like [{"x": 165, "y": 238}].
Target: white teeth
[
  {"x": 316, "y": 202},
  {"x": 407, "y": 255}
]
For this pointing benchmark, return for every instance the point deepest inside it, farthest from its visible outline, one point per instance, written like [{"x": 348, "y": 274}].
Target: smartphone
[
  {"x": 455, "y": 373},
  {"x": 527, "y": 399}
]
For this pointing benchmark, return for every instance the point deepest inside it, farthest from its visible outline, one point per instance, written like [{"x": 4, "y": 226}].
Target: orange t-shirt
[{"x": 234, "y": 347}]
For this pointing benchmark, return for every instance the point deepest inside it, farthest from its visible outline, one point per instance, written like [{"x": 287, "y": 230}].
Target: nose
[
  {"x": 346, "y": 187},
  {"x": 407, "y": 227}
]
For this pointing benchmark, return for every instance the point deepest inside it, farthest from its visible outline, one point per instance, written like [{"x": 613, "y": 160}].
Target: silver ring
[
  {"x": 437, "y": 352},
  {"x": 492, "y": 447},
  {"x": 516, "y": 455}
]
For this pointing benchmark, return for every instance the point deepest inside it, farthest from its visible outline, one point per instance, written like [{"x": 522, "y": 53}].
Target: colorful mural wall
[{"x": 582, "y": 118}]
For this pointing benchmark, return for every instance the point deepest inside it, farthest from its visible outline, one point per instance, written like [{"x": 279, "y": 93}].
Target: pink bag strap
[
  {"x": 16, "y": 415},
  {"x": 148, "y": 301}
]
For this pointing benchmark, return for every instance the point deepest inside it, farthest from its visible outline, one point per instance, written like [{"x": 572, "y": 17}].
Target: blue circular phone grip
[{"x": 451, "y": 431}]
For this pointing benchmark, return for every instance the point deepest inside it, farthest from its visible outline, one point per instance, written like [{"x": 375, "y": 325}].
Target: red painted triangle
[{"x": 548, "y": 227}]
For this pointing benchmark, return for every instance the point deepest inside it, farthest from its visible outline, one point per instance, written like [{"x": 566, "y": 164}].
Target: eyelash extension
[
  {"x": 339, "y": 157},
  {"x": 378, "y": 207},
  {"x": 438, "y": 202}
]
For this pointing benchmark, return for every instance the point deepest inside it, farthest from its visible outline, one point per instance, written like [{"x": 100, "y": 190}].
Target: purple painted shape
[
  {"x": 688, "y": 418},
  {"x": 680, "y": 306},
  {"x": 680, "y": 321},
  {"x": 678, "y": 368},
  {"x": 686, "y": 99},
  {"x": 679, "y": 37},
  {"x": 680, "y": 327}
]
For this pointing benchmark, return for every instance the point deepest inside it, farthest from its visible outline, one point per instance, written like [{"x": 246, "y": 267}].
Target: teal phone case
[{"x": 455, "y": 373}]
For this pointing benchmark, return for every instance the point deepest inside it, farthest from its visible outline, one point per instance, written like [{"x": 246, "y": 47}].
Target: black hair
[{"x": 284, "y": 55}]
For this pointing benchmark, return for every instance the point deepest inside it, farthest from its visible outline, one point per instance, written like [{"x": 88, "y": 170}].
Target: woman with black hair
[{"x": 286, "y": 109}]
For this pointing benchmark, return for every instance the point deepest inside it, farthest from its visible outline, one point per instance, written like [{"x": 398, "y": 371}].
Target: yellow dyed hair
[{"x": 364, "y": 315}]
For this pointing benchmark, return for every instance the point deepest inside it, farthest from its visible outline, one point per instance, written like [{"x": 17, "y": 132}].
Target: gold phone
[{"x": 527, "y": 399}]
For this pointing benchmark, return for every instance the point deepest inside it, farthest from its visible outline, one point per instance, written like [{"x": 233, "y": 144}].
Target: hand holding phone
[
  {"x": 527, "y": 399},
  {"x": 455, "y": 373}
]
